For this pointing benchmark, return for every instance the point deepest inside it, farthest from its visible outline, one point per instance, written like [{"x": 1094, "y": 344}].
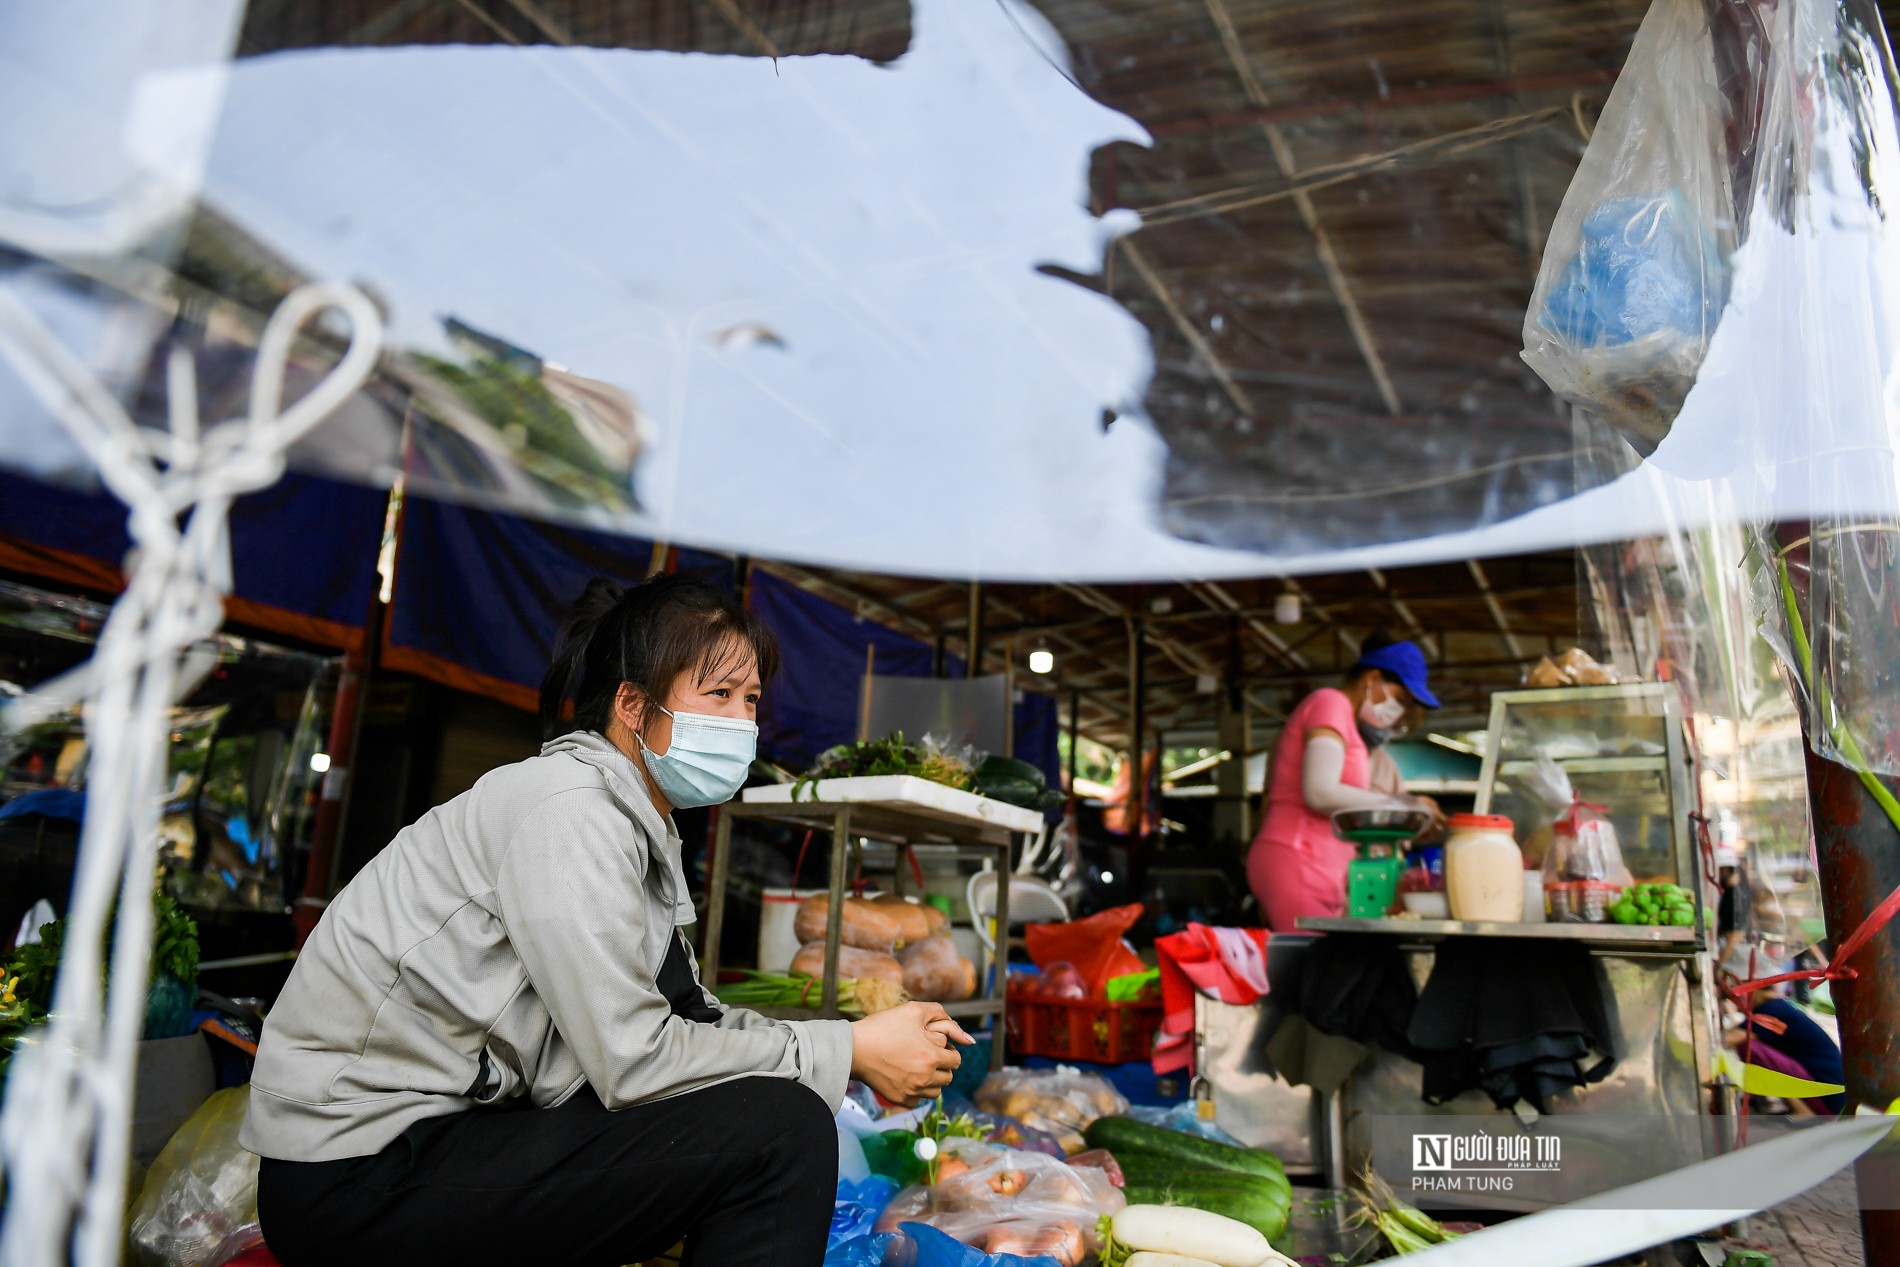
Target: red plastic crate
[{"x": 1086, "y": 1029}]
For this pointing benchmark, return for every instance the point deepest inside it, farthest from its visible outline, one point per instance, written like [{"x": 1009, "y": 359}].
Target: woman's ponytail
[{"x": 568, "y": 669}]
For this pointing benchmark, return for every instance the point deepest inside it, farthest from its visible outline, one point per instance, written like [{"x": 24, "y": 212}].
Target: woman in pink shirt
[{"x": 1322, "y": 763}]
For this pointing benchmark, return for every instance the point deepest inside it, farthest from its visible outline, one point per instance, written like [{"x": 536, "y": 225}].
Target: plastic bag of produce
[
  {"x": 1006, "y": 1131},
  {"x": 1095, "y": 945},
  {"x": 198, "y": 1206},
  {"x": 1005, "y": 1201},
  {"x": 1060, "y": 1101},
  {"x": 1635, "y": 273},
  {"x": 934, "y": 970}
]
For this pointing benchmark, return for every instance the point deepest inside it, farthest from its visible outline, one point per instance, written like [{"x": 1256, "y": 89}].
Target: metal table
[{"x": 901, "y": 809}]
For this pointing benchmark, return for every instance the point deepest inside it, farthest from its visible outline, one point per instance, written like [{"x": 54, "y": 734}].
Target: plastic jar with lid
[{"x": 1484, "y": 869}]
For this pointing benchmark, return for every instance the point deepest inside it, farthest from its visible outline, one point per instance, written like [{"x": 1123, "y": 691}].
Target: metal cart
[{"x": 900, "y": 809}]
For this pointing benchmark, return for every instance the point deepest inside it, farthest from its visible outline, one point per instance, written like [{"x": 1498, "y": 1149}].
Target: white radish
[
  {"x": 1190, "y": 1233},
  {"x": 1149, "y": 1258}
]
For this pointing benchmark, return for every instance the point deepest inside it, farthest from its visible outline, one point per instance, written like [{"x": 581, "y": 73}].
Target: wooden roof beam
[
  {"x": 1404, "y": 613},
  {"x": 1187, "y": 328},
  {"x": 1497, "y": 609},
  {"x": 1362, "y": 335},
  {"x": 1220, "y": 600}
]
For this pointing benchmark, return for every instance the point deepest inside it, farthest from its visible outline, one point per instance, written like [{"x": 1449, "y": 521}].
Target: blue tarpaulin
[{"x": 303, "y": 552}]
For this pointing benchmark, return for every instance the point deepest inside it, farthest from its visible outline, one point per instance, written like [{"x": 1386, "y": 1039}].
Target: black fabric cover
[
  {"x": 1359, "y": 987},
  {"x": 1517, "y": 1020}
]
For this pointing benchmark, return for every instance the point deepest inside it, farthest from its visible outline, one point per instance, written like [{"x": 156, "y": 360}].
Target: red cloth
[
  {"x": 1297, "y": 866},
  {"x": 1229, "y": 964},
  {"x": 255, "y": 1256}
]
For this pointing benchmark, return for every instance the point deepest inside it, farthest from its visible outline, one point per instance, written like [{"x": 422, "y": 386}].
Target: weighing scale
[{"x": 1372, "y": 879}]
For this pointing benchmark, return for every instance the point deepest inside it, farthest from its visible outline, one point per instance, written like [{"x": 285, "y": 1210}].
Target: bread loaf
[
  {"x": 867, "y": 925},
  {"x": 913, "y": 924},
  {"x": 853, "y": 964}
]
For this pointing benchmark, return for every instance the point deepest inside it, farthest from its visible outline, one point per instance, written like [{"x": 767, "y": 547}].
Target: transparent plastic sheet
[
  {"x": 198, "y": 1207},
  {"x": 1681, "y": 602},
  {"x": 1331, "y": 384}
]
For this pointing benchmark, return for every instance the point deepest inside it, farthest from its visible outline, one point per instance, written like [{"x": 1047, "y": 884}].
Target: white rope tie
[{"x": 65, "y": 1136}]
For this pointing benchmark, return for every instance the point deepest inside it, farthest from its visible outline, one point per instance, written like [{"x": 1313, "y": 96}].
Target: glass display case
[{"x": 1624, "y": 752}]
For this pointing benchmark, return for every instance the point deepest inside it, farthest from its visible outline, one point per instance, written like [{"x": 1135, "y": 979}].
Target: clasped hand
[{"x": 907, "y": 1054}]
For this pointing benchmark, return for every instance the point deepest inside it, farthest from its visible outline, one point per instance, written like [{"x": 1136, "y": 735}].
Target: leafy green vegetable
[
  {"x": 889, "y": 755},
  {"x": 1112, "y": 1253},
  {"x": 27, "y": 975}
]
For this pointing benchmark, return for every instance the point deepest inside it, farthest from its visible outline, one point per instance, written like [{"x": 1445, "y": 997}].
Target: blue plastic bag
[
  {"x": 920, "y": 1245},
  {"x": 858, "y": 1206}
]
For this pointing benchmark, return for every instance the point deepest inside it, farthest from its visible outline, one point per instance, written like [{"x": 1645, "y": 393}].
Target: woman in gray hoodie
[{"x": 495, "y": 1047}]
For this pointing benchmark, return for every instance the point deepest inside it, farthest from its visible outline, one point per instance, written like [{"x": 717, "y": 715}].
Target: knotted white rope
[{"x": 65, "y": 1136}]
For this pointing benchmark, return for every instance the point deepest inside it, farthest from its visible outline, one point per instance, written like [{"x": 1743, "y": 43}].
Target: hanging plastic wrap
[
  {"x": 1828, "y": 251},
  {"x": 1636, "y": 272}
]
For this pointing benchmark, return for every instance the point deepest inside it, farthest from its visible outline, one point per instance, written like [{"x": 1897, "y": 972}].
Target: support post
[
  {"x": 1075, "y": 737},
  {"x": 834, "y": 915},
  {"x": 717, "y": 868},
  {"x": 1137, "y": 727},
  {"x": 974, "y": 665},
  {"x": 1859, "y": 863}
]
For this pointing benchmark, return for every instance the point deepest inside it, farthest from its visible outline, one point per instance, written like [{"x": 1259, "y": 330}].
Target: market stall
[{"x": 1148, "y": 367}]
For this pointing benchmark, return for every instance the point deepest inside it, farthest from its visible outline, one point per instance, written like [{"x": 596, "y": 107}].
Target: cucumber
[
  {"x": 1127, "y": 1138},
  {"x": 1252, "y": 1201},
  {"x": 1276, "y": 1191}
]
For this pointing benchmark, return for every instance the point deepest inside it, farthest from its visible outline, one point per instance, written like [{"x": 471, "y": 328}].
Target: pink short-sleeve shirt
[{"x": 1297, "y": 866}]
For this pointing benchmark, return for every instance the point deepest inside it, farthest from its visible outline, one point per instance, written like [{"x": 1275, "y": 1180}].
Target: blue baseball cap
[{"x": 1405, "y": 662}]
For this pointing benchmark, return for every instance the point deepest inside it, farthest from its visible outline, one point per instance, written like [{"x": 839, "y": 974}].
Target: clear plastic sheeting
[{"x": 1013, "y": 290}]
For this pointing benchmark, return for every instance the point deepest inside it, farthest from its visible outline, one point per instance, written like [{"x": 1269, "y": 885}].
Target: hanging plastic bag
[
  {"x": 1635, "y": 272},
  {"x": 198, "y": 1206}
]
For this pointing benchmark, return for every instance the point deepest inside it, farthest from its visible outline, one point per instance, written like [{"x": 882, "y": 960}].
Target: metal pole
[
  {"x": 717, "y": 868},
  {"x": 1137, "y": 725},
  {"x": 834, "y": 917},
  {"x": 973, "y": 667},
  {"x": 1075, "y": 737},
  {"x": 1859, "y": 861}
]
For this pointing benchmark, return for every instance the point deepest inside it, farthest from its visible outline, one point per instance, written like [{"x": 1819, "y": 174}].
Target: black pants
[{"x": 745, "y": 1172}]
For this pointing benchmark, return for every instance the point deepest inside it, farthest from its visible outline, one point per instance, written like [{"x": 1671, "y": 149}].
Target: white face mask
[
  {"x": 1383, "y": 715},
  {"x": 707, "y": 761}
]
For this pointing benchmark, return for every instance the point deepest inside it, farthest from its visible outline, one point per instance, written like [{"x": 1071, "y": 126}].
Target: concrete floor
[{"x": 1819, "y": 1228}]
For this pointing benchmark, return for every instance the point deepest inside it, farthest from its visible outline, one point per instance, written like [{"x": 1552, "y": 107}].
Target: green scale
[{"x": 1372, "y": 879}]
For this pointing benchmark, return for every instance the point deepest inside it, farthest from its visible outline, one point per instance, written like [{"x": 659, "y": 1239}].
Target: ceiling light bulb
[
  {"x": 1286, "y": 609},
  {"x": 1042, "y": 660}
]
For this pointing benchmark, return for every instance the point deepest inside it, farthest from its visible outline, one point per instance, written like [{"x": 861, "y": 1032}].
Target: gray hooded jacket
[{"x": 507, "y": 945}]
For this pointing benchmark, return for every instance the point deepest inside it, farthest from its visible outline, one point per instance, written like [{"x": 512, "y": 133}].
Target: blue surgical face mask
[{"x": 707, "y": 761}]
